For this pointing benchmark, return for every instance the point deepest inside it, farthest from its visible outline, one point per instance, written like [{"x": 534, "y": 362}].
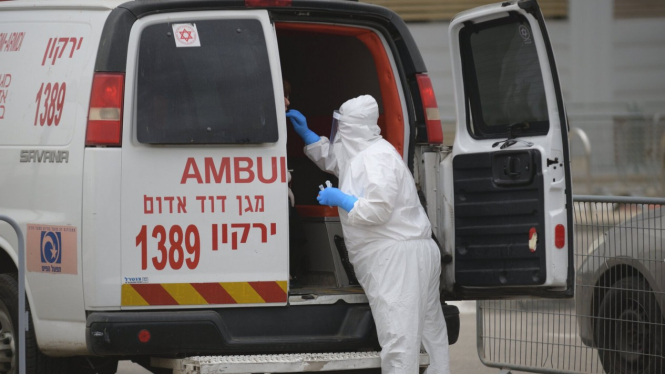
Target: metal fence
[{"x": 615, "y": 324}]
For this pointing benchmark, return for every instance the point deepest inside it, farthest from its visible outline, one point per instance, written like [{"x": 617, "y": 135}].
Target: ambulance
[{"x": 146, "y": 156}]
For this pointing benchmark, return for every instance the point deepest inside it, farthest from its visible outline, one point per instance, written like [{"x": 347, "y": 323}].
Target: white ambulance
[{"x": 145, "y": 153}]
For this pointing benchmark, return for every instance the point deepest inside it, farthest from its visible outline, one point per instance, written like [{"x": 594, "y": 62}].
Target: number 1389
[
  {"x": 174, "y": 239},
  {"x": 53, "y": 96}
]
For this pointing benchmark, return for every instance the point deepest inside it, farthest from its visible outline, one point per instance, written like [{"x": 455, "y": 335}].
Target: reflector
[
  {"x": 559, "y": 236},
  {"x": 144, "y": 336}
]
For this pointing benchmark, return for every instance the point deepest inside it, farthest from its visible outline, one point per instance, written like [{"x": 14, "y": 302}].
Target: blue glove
[
  {"x": 334, "y": 197},
  {"x": 300, "y": 125}
]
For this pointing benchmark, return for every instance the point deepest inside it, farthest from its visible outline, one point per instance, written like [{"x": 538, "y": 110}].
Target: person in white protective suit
[{"x": 387, "y": 234}]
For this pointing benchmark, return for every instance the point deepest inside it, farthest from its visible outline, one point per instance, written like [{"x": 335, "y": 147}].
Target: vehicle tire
[
  {"x": 37, "y": 363},
  {"x": 629, "y": 329},
  {"x": 8, "y": 337}
]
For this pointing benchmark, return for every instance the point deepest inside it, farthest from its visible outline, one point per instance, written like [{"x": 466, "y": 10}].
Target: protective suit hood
[{"x": 357, "y": 129}]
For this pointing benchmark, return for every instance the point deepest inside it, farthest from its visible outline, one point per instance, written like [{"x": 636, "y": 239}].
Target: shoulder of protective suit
[
  {"x": 381, "y": 151},
  {"x": 383, "y": 146}
]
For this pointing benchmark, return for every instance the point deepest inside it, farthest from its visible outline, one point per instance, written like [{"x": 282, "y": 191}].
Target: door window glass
[
  {"x": 503, "y": 80},
  {"x": 220, "y": 92}
]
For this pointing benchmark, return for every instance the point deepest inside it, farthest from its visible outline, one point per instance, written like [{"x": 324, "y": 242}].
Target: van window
[
  {"x": 504, "y": 81},
  {"x": 220, "y": 92}
]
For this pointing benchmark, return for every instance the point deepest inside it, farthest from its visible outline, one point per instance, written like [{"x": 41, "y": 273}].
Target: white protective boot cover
[{"x": 388, "y": 236}]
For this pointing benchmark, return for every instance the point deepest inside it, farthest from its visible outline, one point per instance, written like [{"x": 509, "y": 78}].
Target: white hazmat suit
[{"x": 388, "y": 236}]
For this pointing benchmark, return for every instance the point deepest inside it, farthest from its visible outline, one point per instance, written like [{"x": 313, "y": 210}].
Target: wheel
[
  {"x": 629, "y": 329},
  {"x": 8, "y": 337},
  {"x": 37, "y": 363}
]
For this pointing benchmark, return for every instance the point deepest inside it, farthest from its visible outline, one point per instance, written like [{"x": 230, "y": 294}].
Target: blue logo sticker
[{"x": 51, "y": 250}]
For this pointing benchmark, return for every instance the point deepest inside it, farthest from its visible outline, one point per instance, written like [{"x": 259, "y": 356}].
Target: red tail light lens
[
  {"x": 105, "y": 115},
  {"x": 267, "y": 3},
  {"x": 431, "y": 109},
  {"x": 559, "y": 236}
]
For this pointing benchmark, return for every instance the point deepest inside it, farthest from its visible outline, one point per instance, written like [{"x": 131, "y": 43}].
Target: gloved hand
[
  {"x": 300, "y": 125},
  {"x": 334, "y": 197}
]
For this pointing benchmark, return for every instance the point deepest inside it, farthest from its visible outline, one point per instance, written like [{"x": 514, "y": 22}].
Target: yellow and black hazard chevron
[{"x": 146, "y": 294}]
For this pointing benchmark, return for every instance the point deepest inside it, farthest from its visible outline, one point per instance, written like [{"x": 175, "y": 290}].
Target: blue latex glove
[
  {"x": 300, "y": 125},
  {"x": 334, "y": 197}
]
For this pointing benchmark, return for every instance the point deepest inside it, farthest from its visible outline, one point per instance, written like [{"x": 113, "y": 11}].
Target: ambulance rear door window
[
  {"x": 504, "y": 83},
  {"x": 210, "y": 85}
]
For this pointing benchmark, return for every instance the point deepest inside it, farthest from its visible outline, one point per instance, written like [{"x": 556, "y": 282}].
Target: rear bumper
[{"x": 313, "y": 328}]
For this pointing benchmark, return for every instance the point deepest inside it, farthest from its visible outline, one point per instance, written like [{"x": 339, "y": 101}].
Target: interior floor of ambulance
[{"x": 327, "y": 65}]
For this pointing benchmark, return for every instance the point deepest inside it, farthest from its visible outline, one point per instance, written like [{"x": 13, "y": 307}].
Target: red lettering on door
[
  {"x": 243, "y": 169},
  {"x": 191, "y": 171}
]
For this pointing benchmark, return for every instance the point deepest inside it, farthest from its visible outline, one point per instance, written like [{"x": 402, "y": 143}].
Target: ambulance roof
[{"x": 61, "y": 4}]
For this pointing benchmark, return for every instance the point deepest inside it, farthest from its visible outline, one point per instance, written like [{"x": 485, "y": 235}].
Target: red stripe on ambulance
[
  {"x": 213, "y": 293},
  {"x": 154, "y": 294},
  {"x": 271, "y": 292}
]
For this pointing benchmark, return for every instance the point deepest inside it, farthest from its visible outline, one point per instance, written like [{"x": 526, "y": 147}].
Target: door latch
[{"x": 512, "y": 167}]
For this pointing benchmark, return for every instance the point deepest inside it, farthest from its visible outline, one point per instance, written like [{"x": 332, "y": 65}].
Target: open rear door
[
  {"x": 204, "y": 178},
  {"x": 510, "y": 190}
]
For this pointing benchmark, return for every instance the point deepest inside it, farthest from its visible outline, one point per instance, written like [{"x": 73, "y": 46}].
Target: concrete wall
[{"x": 639, "y": 60}]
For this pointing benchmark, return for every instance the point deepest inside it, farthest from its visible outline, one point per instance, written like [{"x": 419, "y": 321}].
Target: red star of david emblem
[{"x": 186, "y": 35}]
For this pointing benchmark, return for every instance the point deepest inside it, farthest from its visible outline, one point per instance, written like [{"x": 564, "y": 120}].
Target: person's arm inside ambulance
[{"x": 317, "y": 148}]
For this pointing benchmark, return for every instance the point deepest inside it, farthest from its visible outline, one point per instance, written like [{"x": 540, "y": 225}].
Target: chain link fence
[{"x": 615, "y": 324}]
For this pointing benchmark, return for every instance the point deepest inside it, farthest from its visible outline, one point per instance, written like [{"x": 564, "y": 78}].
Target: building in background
[{"x": 611, "y": 59}]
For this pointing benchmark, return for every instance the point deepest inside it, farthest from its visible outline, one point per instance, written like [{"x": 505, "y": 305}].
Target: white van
[{"x": 145, "y": 153}]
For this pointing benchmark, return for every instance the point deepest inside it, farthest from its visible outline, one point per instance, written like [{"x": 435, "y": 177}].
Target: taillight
[
  {"x": 266, "y": 3},
  {"x": 559, "y": 236},
  {"x": 431, "y": 109},
  {"x": 105, "y": 115}
]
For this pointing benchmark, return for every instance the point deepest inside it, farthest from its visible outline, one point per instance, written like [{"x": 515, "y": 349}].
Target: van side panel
[
  {"x": 101, "y": 227},
  {"x": 46, "y": 67}
]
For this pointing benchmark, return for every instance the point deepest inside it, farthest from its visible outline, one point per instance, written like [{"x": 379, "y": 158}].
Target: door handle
[{"x": 512, "y": 167}]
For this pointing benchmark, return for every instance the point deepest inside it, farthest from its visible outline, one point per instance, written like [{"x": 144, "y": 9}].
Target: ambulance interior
[{"x": 325, "y": 66}]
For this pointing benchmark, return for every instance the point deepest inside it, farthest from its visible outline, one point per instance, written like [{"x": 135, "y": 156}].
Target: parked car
[{"x": 619, "y": 295}]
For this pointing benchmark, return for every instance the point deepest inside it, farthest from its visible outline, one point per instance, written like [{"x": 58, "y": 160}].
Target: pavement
[{"x": 128, "y": 367}]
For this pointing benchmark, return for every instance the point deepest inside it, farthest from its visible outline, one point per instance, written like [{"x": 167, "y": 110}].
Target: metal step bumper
[{"x": 284, "y": 363}]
